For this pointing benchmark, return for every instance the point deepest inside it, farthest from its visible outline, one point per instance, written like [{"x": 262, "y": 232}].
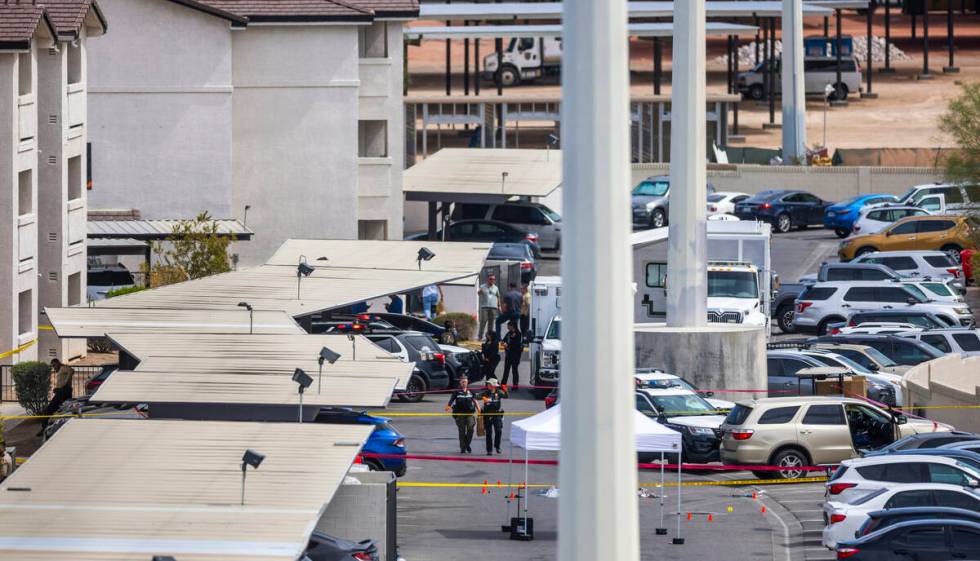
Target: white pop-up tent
[{"x": 543, "y": 432}]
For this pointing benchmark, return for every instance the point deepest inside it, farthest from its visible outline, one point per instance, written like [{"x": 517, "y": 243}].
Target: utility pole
[{"x": 794, "y": 91}]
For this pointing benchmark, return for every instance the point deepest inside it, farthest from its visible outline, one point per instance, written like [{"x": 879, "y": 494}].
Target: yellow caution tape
[
  {"x": 19, "y": 349},
  {"x": 739, "y": 482}
]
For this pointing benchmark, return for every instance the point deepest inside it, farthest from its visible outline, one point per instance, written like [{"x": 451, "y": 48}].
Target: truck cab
[
  {"x": 525, "y": 59},
  {"x": 735, "y": 294}
]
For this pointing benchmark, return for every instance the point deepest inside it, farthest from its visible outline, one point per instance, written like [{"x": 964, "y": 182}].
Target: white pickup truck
[
  {"x": 525, "y": 59},
  {"x": 735, "y": 294}
]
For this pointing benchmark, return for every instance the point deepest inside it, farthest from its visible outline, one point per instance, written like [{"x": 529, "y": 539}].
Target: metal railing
[{"x": 82, "y": 375}]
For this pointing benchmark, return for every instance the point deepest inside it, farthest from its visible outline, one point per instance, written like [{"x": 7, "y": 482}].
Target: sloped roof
[
  {"x": 19, "y": 22},
  {"x": 243, "y": 12},
  {"x": 69, "y": 16}
]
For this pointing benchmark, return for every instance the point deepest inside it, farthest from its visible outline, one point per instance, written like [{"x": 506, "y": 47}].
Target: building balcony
[{"x": 77, "y": 106}]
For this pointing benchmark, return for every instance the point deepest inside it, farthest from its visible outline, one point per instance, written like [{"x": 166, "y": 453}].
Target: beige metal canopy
[
  {"x": 275, "y": 288},
  {"x": 479, "y": 172},
  {"x": 96, "y": 322},
  {"x": 454, "y": 257},
  {"x": 174, "y": 488}
]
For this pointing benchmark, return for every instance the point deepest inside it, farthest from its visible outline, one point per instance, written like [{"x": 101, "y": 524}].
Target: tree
[
  {"x": 194, "y": 250},
  {"x": 962, "y": 123}
]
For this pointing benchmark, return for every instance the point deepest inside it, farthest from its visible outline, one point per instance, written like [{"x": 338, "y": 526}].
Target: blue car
[
  {"x": 783, "y": 209},
  {"x": 841, "y": 217},
  {"x": 385, "y": 440}
]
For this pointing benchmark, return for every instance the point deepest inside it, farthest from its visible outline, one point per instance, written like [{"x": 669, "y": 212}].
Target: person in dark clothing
[
  {"x": 513, "y": 347},
  {"x": 451, "y": 335},
  {"x": 463, "y": 405},
  {"x": 490, "y": 352},
  {"x": 493, "y": 419},
  {"x": 511, "y": 307},
  {"x": 395, "y": 306},
  {"x": 62, "y": 392}
]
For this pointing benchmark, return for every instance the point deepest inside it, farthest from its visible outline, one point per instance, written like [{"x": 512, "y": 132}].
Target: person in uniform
[
  {"x": 493, "y": 419},
  {"x": 513, "y": 347},
  {"x": 463, "y": 405}
]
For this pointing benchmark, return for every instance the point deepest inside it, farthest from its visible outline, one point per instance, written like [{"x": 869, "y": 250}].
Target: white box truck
[
  {"x": 545, "y": 336},
  {"x": 525, "y": 59}
]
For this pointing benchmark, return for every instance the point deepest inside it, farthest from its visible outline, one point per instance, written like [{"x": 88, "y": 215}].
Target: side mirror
[
  {"x": 910, "y": 301},
  {"x": 901, "y": 419},
  {"x": 709, "y": 394},
  {"x": 537, "y": 339},
  {"x": 874, "y": 367},
  {"x": 972, "y": 483}
]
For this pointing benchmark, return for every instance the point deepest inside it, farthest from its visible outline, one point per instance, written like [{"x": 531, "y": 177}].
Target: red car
[{"x": 966, "y": 260}]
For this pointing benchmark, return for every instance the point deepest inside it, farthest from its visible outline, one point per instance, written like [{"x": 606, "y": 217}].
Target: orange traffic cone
[{"x": 710, "y": 518}]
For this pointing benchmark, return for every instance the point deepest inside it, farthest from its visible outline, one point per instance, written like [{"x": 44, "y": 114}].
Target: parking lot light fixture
[
  {"x": 303, "y": 381},
  {"x": 251, "y": 313},
  {"x": 302, "y": 270},
  {"x": 328, "y": 356},
  {"x": 425, "y": 254},
  {"x": 250, "y": 458}
]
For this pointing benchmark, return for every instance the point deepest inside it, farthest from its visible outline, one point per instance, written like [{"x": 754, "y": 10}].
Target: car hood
[
  {"x": 642, "y": 200},
  {"x": 551, "y": 345},
  {"x": 720, "y": 403},
  {"x": 700, "y": 421},
  {"x": 743, "y": 305},
  {"x": 916, "y": 426},
  {"x": 454, "y": 349}
]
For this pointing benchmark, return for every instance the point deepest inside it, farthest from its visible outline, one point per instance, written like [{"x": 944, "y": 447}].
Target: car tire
[
  {"x": 842, "y": 232},
  {"x": 658, "y": 219},
  {"x": 413, "y": 390},
  {"x": 953, "y": 251},
  {"x": 865, "y": 250},
  {"x": 757, "y": 92},
  {"x": 508, "y": 76},
  {"x": 784, "y": 317},
  {"x": 373, "y": 464},
  {"x": 840, "y": 92},
  {"x": 790, "y": 457},
  {"x": 825, "y": 322},
  {"x": 784, "y": 223}
]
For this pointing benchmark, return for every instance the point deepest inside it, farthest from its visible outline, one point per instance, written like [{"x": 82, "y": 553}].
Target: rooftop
[{"x": 20, "y": 21}]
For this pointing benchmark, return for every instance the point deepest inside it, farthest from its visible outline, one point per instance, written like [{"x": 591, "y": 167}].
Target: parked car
[
  {"x": 530, "y": 217},
  {"x": 783, "y": 209},
  {"x": 940, "y": 290},
  {"x": 723, "y": 202},
  {"x": 949, "y": 234},
  {"x": 384, "y": 440},
  {"x": 874, "y": 328},
  {"x": 972, "y": 445},
  {"x": 971, "y": 459},
  {"x": 881, "y": 519},
  {"x": 827, "y": 303},
  {"x": 324, "y": 547},
  {"x": 104, "y": 279},
  {"x": 654, "y": 378},
  {"x": 818, "y": 73},
  {"x": 650, "y": 202},
  {"x": 933, "y": 265},
  {"x": 484, "y": 231},
  {"x": 906, "y": 317},
  {"x": 503, "y": 254},
  {"x": 906, "y": 352},
  {"x": 406, "y": 322},
  {"x": 859, "y": 476},
  {"x": 794, "y": 432},
  {"x": 95, "y": 382},
  {"x": 931, "y": 440},
  {"x": 413, "y": 346},
  {"x": 943, "y": 197},
  {"x": 940, "y": 539},
  {"x": 873, "y": 219},
  {"x": 834, "y": 272},
  {"x": 868, "y": 357},
  {"x": 784, "y": 304},
  {"x": 783, "y": 365},
  {"x": 960, "y": 341},
  {"x": 841, "y": 217},
  {"x": 461, "y": 361},
  {"x": 687, "y": 413},
  {"x": 844, "y": 519}
]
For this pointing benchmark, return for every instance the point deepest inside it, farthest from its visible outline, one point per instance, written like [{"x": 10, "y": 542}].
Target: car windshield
[
  {"x": 664, "y": 384},
  {"x": 554, "y": 330},
  {"x": 651, "y": 188},
  {"x": 732, "y": 284},
  {"x": 422, "y": 343},
  {"x": 937, "y": 288},
  {"x": 766, "y": 195},
  {"x": 878, "y": 357},
  {"x": 918, "y": 293},
  {"x": 554, "y": 216},
  {"x": 509, "y": 251},
  {"x": 678, "y": 405},
  {"x": 715, "y": 198},
  {"x": 850, "y": 200},
  {"x": 906, "y": 196}
]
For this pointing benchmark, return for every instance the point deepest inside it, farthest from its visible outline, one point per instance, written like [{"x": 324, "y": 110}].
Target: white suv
[
  {"x": 860, "y": 476},
  {"x": 926, "y": 264},
  {"x": 832, "y": 302}
]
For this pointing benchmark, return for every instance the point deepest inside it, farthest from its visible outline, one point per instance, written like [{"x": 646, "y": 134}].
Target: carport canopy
[
  {"x": 509, "y": 31},
  {"x": 96, "y": 322},
  {"x": 483, "y": 175},
  {"x": 512, "y": 11}
]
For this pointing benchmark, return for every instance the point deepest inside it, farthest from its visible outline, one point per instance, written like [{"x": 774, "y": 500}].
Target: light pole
[
  {"x": 325, "y": 355},
  {"x": 251, "y": 458},
  {"x": 302, "y": 270},
  {"x": 425, "y": 254},
  {"x": 248, "y": 307},
  {"x": 303, "y": 381}
]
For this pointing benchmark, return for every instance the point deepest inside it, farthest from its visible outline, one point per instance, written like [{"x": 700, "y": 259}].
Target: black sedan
[
  {"x": 916, "y": 540},
  {"x": 783, "y": 209}
]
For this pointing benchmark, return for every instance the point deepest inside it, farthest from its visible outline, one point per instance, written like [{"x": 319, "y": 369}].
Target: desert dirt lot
[{"x": 903, "y": 116}]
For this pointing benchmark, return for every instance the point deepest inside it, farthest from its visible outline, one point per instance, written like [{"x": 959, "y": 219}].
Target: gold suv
[
  {"x": 949, "y": 234},
  {"x": 793, "y": 432}
]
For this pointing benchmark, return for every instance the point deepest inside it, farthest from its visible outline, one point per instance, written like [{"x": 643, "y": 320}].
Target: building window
[
  {"x": 656, "y": 275},
  {"x": 74, "y": 64},
  {"x": 25, "y": 80},
  {"x": 25, "y": 312},
  {"x": 25, "y": 192},
  {"x": 372, "y": 40},
  {"x": 74, "y": 289},
  {"x": 372, "y": 139},
  {"x": 74, "y": 178},
  {"x": 372, "y": 229}
]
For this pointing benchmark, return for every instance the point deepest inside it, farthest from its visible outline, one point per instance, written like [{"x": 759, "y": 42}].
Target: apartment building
[
  {"x": 62, "y": 167},
  {"x": 24, "y": 27},
  {"x": 286, "y": 115}
]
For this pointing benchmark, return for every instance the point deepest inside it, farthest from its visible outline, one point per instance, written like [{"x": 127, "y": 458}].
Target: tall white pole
[
  {"x": 794, "y": 92},
  {"x": 598, "y": 518},
  {"x": 687, "y": 274}
]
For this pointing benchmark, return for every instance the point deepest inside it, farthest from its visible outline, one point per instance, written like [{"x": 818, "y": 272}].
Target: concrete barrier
[
  {"x": 946, "y": 390},
  {"x": 365, "y": 511}
]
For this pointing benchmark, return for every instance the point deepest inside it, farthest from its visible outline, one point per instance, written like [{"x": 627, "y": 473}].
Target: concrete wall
[
  {"x": 828, "y": 183},
  {"x": 295, "y": 144},
  {"x": 951, "y": 380},
  {"x": 364, "y": 511},
  {"x": 161, "y": 112},
  {"x": 18, "y": 232}
]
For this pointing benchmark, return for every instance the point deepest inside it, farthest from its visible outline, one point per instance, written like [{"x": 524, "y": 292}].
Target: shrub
[
  {"x": 125, "y": 290},
  {"x": 32, "y": 380},
  {"x": 99, "y": 345},
  {"x": 465, "y": 323}
]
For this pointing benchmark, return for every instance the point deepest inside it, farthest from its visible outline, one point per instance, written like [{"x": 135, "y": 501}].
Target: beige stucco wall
[{"x": 949, "y": 381}]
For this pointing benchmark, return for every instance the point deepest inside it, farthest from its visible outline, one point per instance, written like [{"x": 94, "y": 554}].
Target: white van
[{"x": 819, "y": 72}]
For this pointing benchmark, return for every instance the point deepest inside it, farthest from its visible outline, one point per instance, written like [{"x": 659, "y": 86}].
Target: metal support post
[
  {"x": 794, "y": 88},
  {"x": 598, "y": 460}
]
